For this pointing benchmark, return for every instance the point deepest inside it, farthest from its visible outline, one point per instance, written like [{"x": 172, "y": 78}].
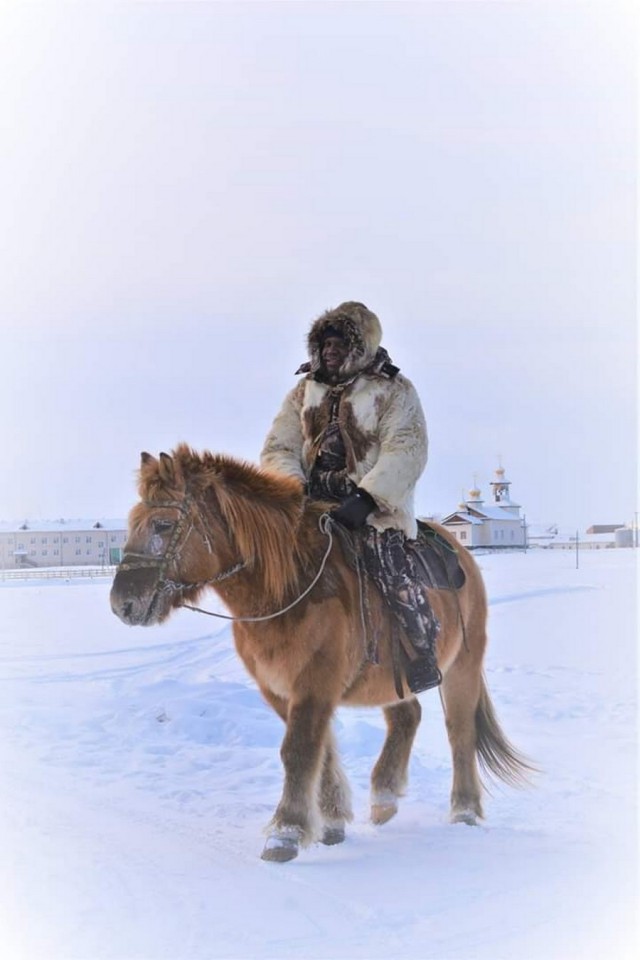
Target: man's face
[{"x": 334, "y": 352}]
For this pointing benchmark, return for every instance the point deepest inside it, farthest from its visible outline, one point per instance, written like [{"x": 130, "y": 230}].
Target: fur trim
[{"x": 361, "y": 330}]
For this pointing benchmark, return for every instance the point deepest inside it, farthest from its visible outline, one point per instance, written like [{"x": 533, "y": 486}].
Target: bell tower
[{"x": 500, "y": 487}]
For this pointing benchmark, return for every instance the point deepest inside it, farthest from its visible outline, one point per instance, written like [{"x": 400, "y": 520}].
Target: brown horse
[{"x": 209, "y": 520}]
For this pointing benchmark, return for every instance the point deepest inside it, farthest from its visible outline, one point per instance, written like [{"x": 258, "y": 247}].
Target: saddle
[{"x": 437, "y": 559}]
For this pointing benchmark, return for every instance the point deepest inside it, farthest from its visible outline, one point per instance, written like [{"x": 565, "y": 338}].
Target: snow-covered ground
[{"x": 140, "y": 765}]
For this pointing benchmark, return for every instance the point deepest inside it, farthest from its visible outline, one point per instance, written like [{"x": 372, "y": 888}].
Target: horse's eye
[{"x": 162, "y": 526}]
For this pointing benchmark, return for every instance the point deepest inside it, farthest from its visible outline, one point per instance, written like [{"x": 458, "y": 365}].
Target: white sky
[{"x": 185, "y": 186}]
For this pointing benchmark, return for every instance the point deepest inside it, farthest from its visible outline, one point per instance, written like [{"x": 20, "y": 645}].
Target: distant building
[
  {"x": 626, "y": 536},
  {"x": 61, "y": 543},
  {"x": 592, "y": 541},
  {"x": 497, "y": 524},
  {"x": 604, "y": 527},
  {"x": 541, "y": 535},
  {"x": 597, "y": 537}
]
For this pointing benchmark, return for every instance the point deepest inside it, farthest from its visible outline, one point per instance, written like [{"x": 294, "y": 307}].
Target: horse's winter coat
[{"x": 253, "y": 536}]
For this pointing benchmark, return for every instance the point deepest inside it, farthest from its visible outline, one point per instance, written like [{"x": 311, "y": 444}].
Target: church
[{"x": 497, "y": 524}]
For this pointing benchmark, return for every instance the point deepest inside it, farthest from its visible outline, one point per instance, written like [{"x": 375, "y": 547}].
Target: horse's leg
[
  {"x": 302, "y": 752},
  {"x": 335, "y": 795},
  {"x": 389, "y": 777},
  {"x": 279, "y": 704},
  {"x": 461, "y": 687}
]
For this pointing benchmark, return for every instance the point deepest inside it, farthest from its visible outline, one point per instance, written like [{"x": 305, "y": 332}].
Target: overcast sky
[{"x": 185, "y": 186}]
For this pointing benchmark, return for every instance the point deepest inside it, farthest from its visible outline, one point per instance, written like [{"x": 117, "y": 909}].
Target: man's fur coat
[{"x": 380, "y": 417}]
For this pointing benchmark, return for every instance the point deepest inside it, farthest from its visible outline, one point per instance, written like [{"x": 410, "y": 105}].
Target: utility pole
[{"x": 577, "y": 549}]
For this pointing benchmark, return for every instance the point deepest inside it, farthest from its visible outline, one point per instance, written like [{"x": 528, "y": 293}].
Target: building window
[
  {"x": 43, "y": 540},
  {"x": 65, "y": 539},
  {"x": 44, "y": 553},
  {"x": 77, "y": 539},
  {"x": 463, "y": 534},
  {"x": 78, "y": 552},
  {"x": 56, "y": 553},
  {"x": 21, "y": 546},
  {"x": 88, "y": 540},
  {"x": 33, "y": 540},
  {"x": 32, "y": 553}
]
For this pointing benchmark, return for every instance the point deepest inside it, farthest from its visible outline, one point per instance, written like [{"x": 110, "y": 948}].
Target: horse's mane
[{"x": 262, "y": 509}]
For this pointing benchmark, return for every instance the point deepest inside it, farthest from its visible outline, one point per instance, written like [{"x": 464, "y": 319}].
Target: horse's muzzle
[{"x": 136, "y": 600}]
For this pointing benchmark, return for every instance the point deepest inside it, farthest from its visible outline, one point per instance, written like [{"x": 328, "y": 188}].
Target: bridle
[
  {"x": 140, "y": 561},
  {"x": 179, "y": 536}
]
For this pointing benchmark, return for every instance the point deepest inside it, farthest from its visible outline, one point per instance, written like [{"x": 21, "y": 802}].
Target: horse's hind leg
[
  {"x": 389, "y": 777},
  {"x": 461, "y": 687},
  {"x": 335, "y": 796}
]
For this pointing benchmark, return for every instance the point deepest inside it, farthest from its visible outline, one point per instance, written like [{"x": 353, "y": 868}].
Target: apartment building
[{"x": 61, "y": 543}]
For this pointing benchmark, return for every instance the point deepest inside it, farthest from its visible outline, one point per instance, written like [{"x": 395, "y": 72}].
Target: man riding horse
[{"x": 354, "y": 432}]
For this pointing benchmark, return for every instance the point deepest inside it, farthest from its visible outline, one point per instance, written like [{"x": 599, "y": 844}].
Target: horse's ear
[
  {"x": 167, "y": 469},
  {"x": 146, "y": 458}
]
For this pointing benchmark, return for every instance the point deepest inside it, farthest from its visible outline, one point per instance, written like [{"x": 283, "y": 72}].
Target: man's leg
[{"x": 393, "y": 570}]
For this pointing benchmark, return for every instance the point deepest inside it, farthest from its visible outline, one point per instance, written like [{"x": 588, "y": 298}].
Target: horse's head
[{"x": 169, "y": 554}]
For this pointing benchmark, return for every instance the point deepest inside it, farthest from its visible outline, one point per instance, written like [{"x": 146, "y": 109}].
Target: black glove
[{"x": 353, "y": 511}]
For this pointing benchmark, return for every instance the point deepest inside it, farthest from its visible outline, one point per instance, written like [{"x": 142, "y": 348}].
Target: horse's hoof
[
  {"x": 382, "y": 812},
  {"x": 469, "y": 817},
  {"x": 281, "y": 847},
  {"x": 332, "y": 835}
]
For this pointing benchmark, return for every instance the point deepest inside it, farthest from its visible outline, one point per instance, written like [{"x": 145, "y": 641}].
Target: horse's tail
[{"x": 497, "y": 756}]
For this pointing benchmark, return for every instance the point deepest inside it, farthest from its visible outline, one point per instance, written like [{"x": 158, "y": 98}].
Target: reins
[{"x": 325, "y": 526}]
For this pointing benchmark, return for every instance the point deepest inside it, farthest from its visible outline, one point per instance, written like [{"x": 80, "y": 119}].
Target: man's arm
[
  {"x": 403, "y": 448},
  {"x": 282, "y": 451}
]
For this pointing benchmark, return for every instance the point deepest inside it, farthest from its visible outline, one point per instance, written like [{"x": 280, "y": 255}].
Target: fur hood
[{"x": 361, "y": 330}]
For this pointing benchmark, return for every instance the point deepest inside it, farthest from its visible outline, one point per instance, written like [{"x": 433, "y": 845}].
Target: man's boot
[
  {"x": 421, "y": 627},
  {"x": 423, "y": 674}
]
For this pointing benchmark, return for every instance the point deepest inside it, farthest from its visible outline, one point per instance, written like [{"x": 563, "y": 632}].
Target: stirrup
[{"x": 422, "y": 674}]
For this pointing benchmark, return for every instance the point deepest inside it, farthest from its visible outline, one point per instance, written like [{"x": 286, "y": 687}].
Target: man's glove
[{"x": 353, "y": 511}]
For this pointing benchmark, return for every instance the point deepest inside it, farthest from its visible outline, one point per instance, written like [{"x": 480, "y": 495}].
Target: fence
[{"x": 57, "y": 573}]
